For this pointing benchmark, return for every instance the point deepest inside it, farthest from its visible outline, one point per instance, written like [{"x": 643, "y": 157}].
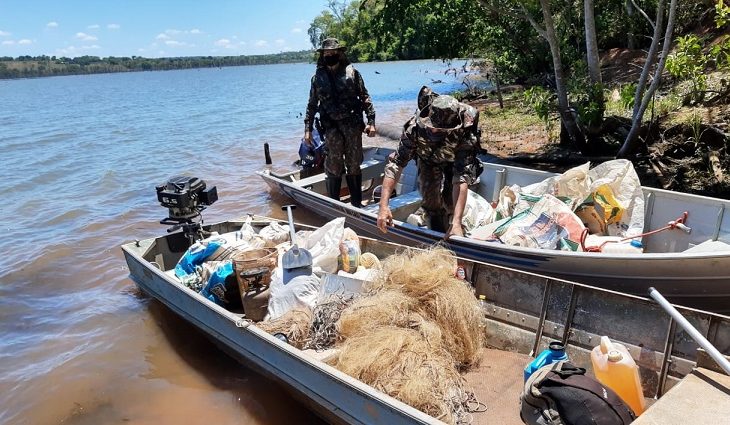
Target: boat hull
[
  {"x": 698, "y": 280},
  {"x": 333, "y": 395}
]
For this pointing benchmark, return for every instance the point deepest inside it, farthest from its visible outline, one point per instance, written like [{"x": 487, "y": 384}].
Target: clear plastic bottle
[
  {"x": 615, "y": 368},
  {"x": 633, "y": 247},
  {"x": 554, "y": 353},
  {"x": 482, "y": 313}
]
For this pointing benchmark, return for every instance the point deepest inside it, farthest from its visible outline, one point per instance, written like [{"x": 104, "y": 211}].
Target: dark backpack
[{"x": 562, "y": 394}]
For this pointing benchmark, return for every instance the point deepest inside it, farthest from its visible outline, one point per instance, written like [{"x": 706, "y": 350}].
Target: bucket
[{"x": 254, "y": 267}]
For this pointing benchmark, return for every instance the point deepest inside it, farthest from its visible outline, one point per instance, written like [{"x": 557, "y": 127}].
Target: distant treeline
[{"x": 46, "y": 66}]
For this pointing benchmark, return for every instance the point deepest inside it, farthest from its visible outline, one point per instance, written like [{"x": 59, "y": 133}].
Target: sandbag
[{"x": 274, "y": 234}]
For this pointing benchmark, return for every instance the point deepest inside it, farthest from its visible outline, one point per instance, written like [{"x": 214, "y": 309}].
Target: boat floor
[{"x": 498, "y": 383}]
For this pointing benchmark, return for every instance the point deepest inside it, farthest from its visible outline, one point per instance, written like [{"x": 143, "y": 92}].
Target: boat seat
[
  {"x": 370, "y": 168},
  {"x": 400, "y": 206}
]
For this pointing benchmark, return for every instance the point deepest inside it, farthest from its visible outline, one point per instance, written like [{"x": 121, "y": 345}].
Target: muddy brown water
[{"x": 79, "y": 344}]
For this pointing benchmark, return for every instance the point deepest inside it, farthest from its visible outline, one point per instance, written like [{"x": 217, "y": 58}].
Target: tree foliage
[{"x": 45, "y": 66}]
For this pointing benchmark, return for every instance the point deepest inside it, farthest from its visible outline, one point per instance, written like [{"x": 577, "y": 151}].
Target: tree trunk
[
  {"x": 630, "y": 39},
  {"x": 567, "y": 114},
  {"x": 632, "y": 139},
  {"x": 594, "y": 65},
  {"x": 650, "y": 57},
  {"x": 498, "y": 85}
]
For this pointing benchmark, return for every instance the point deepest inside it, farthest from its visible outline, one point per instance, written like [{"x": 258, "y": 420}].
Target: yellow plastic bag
[{"x": 606, "y": 204}]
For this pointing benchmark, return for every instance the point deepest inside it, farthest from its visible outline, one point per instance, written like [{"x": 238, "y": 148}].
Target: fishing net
[
  {"x": 427, "y": 278},
  {"x": 404, "y": 364},
  {"x": 416, "y": 272},
  {"x": 453, "y": 307},
  {"x": 385, "y": 308},
  {"x": 412, "y": 331},
  {"x": 324, "y": 322},
  {"x": 294, "y": 324}
]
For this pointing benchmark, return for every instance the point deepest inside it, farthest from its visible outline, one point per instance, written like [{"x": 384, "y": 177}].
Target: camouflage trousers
[
  {"x": 435, "y": 184},
  {"x": 344, "y": 149}
]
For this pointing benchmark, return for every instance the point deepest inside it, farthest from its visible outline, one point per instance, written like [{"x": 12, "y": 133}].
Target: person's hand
[
  {"x": 370, "y": 130},
  {"x": 454, "y": 230},
  {"x": 385, "y": 218},
  {"x": 308, "y": 138}
]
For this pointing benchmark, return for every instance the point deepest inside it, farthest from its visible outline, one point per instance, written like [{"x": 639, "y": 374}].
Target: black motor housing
[{"x": 185, "y": 196}]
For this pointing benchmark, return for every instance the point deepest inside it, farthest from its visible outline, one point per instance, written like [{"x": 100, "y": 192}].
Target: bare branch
[
  {"x": 523, "y": 14},
  {"x": 641, "y": 11}
]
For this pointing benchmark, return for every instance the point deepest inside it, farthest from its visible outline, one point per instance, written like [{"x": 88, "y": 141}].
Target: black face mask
[{"x": 332, "y": 60}]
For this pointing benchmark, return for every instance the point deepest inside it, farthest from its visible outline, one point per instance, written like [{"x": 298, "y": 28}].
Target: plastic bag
[
  {"x": 548, "y": 224},
  {"x": 300, "y": 291},
  {"x": 349, "y": 257},
  {"x": 218, "y": 289},
  {"x": 477, "y": 212},
  {"x": 323, "y": 244},
  {"x": 274, "y": 234}
]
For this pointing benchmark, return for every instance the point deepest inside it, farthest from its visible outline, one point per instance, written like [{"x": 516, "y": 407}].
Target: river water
[{"x": 79, "y": 344}]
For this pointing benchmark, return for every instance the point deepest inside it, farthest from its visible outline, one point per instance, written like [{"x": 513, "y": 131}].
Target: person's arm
[
  {"x": 459, "y": 194},
  {"x": 367, "y": 104},
  {"x": 393, "y": 169},
  {"x": 311, "y": 111},
  {"x": 385, "y": 216}
]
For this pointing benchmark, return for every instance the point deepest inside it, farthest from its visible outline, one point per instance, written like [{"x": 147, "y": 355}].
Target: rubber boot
[
  {"x": 333, "y": 186},
  {"x": 354, "y": 183}
]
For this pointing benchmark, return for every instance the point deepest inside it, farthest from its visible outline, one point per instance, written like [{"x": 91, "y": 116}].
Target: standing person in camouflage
[
  {"x": 338, "y": 93},
  {"x": 443, "y": 136}
]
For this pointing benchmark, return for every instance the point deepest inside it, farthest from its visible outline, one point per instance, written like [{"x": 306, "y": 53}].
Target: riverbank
[{"x": 684, "y": 144}]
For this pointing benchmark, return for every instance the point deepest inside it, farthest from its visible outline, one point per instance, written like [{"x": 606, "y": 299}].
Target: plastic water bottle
[
  {"x": 482, "y": 311},
  {"x": 633, "y": 247},
  {"x": 554, "y": 353},
  {"x": 615, "y": 368}
]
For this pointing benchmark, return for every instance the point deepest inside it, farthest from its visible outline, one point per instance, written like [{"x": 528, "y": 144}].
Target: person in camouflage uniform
[
  {"x": 443, "y": 136},
  {"x": 338, "y": 93}
]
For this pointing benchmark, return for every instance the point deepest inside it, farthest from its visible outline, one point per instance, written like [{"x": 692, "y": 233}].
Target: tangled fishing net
[
  {"x": 427, "y": 277},
  {"x": 294, "y": 324},
  {"x": 412, "y": 333},
  {"x": 402, "y": 363},
  {"x": 324, "y": 322}
]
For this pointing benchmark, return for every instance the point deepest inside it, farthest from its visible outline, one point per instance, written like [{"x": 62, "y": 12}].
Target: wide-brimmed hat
[
  {"x": 442, "y": 112},
  {"x": 331, "y": 44}
]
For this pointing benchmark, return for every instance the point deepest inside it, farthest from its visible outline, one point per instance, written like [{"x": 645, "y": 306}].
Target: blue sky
[{"x": 155, "y": 28}]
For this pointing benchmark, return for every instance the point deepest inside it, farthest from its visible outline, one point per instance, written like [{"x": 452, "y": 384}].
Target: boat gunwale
[
  {"x": 362, "y": 388},
  {"x": 543, "y": 254}
]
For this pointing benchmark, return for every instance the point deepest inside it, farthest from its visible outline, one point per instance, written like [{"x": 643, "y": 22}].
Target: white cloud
[
  {"x": 8, "y": 43},
  {"x": 280, "y": 41},
  {"x": 175, "y": 43},
  {"x": 223, "y": 42},
  {"x": 25, "y": 41},
  {"x": 93, "y": 27},
  {"x": 52, "y": 24},
  {"x": 113, "y": 26},
  {"x": 162, "y": 36},
  {"x": 261, "y": 43},
  {"x": 296, "y": 30},
  {"x": 85, "y": 37},
  {"x": 173, "y": 32},
  {"x": 4, "y": 33},
  {"x": 195, "y": 31},
  {"x": 73, "y": 50}
]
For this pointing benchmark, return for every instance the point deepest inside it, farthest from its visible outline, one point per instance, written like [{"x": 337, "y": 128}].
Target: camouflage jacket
[
  {"x": 459, "y": 147},
  {"x": 338, "y": 96}
]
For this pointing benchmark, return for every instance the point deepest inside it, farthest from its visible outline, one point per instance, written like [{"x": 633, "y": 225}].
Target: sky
[{"x": 155, "y": 28}]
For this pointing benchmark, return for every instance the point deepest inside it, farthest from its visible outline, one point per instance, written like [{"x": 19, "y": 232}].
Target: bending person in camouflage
[
  {"x": 338, "y": 93},
  {"x": 443, "y": 137}
]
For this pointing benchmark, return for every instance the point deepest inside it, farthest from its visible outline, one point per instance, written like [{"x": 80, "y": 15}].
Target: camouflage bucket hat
[
  {"x": 441, "y": 113},
  {"x": 331, "y": 44}
]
